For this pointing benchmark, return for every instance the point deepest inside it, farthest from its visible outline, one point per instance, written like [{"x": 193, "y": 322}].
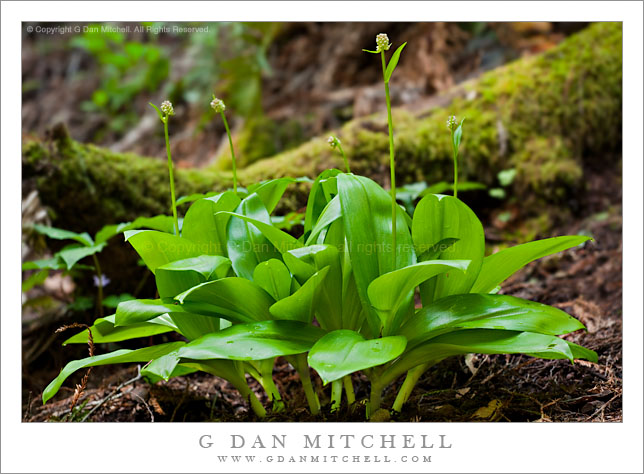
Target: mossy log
[{"x": 550, "y": 117}]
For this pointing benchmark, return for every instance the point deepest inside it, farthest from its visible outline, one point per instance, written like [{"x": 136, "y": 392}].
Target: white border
[{"x": 584, "y": 447}]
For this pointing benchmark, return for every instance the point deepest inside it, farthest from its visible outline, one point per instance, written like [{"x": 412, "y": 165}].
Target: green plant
[
  {"x": 164, "y": 115},
  {"x": 219, "y": 107},
  {"x": 85, "y": 246},
  {"x": 243, "y": 292}
]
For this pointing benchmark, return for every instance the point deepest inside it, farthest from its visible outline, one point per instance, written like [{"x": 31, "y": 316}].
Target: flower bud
[
  {"x": 217, "y": 105},
  {"x": 333, "y": 141},
  {"x": 382, "y": 41},
  {"x": 451, "y": 121},
  {"x": 166, "y": 107}
]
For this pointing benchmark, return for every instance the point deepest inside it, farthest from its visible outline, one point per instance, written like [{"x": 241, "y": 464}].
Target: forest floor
[{"x": 586, "y": 282}]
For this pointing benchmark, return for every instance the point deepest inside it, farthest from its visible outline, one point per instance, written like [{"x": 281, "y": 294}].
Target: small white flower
[
  {"x": 451, "y": 121},
  {"x": 166, "y": 107},
  {"x": 217, "y": 105},
  {"x": 103, "y": 282},
  {"x": 382, "y": 41},
  {"x": 333, "y": 141}
]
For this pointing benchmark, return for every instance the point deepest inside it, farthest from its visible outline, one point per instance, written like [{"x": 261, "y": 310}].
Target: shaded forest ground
[{"x": 586, "y": 282}]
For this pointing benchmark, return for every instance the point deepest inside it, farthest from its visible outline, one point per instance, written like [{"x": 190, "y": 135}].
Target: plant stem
[
  {"x": 174, "y": 201},
  {"x": 348, "y": 388},
  {"x": 99, "y": 275},
  {"x": 273, "y": 393},
  {"x": 455, "y": 167},
  {"x": 375, "y": 399},
  {"x": 392, "y": 165},
  {"x": 232, "y": 151},
  {"x": 302, "y": 368},
  {"x": 336, "y": 394},
  {"x": 408, "y": 386},
  {"x": 344, "y": 156}
]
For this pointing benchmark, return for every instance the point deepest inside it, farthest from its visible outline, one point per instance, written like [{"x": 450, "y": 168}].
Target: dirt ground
[{"x": 585, "y": 282}]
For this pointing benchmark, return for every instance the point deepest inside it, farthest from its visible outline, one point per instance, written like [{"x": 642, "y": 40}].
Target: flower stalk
[
  {"x": 334, "y": 142},
  {"x": 219, "y": 107}
]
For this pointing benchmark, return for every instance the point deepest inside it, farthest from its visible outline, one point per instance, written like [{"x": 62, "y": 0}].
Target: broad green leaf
[
  {"x": 271, "y": 191},
  {"x": 478, "y": 341},
  {"x": 158, "y": 248},
  {"x": 37, "y": 278},
  {"x": 499, "y": 266},
  {"x": 578, "y": 352},
  {"x": 236, "y": 299},
  {"x": 318, "y": 198},
  {"x": 303, "y": 263},
  {"x": 282, "y": 241},
  {"x": 122, "y": 356},
  {"x": 301, "y": 304},
  {"x": 393, "y": 62},
  {"x": 193, "y": 325},
  {"x": 181, "y": 275},
  {"x": 486, "y": 312},
  {"x": 61, "y": 234},
  {"x": 343, "y": 352},
  {"x": 366, "y": 214},
  {"x": 329, "y": 214},
  {"x": 254, "y": 341},
  {"x": 162, "y": 368},
  {"x": 439, "y": 217},
  {"x": 103, "y": 331},
  {"x": 72, "y": 254},
  {"x": 273, "y": 276},
  {"x": 195, "y": 196},
  {"x": 390, "y": 291},
  {"x": 44, "y": 264},
  {"x": 138, "y": 311},
  {"x": 202, "y": 227},
  {"x": 246, "y": 244},
  {"x": 434, "y": 252},
  {"x": 161, "y": 223}
]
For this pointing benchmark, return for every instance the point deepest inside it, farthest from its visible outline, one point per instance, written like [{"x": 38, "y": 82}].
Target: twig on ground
[{"x": 113, "y": 395}]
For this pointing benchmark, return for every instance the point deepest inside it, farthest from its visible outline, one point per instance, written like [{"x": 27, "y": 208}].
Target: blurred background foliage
[{"x": 283, "y": 83}]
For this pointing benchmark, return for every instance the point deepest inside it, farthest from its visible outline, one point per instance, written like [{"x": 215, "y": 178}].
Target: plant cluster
[{"x": 366, "y": 287}]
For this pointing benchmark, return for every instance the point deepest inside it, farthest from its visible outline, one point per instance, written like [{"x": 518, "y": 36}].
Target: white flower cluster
[
  {"x": 451, "y": 121},
  {"x": 217, "y": 105},
  {"x": 382, "y": 41},
  {"x": 166, "y": 107},
  {"x": 333, "y": 141}
]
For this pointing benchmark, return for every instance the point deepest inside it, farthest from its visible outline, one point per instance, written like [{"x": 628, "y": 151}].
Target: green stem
[
  {"x": 273, "y": 393},
  {"x": 375, "y": 399},
  {"x": 348, "y": 388},
  {"x": 99, "y": 275},
  {"x": 232, "y": 151},
  {"x": 174, "y": 201},
  {"x": 238, "y": 379},
  {"x": 336, "y": 394},
  {"x": 408, "y": 386},
  {"x": 302, "y": 368},
  {"x": 344, "y": 156},
  {"x": 455, "y": 167},
  {"x": 392, "y": 165}
]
